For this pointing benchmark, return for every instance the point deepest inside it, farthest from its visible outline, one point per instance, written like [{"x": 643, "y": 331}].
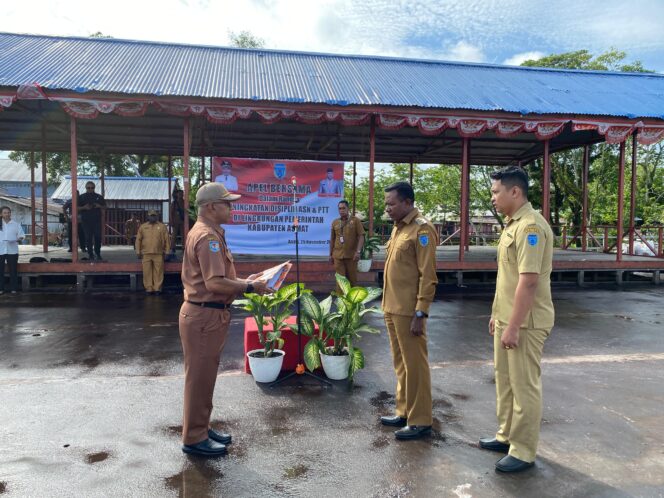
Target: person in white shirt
[
  {"x": 229, "y": 181},
  {"x": 11, "y": 233}
]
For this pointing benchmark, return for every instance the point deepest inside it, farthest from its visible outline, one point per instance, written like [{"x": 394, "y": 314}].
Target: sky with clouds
[{"x": 492, "y": 31}]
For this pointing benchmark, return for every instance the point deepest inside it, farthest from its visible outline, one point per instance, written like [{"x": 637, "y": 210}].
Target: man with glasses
[
  {"x": 210, "y": 286},
  {"x": 90, "y": 206}
]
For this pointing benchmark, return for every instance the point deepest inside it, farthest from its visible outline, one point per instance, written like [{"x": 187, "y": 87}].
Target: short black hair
[
  {"x": 404, "y": 190},
  {"x": 344, "y": 201},
  {"x": 330, "y": 170},
  {"x": 512, "y": 176},
  {"x": 5, "y": 207},
  {"x": 89, "y": 183}
]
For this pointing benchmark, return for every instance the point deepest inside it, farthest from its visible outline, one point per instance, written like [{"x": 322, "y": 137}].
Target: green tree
[{"x": 244, "y": 39}]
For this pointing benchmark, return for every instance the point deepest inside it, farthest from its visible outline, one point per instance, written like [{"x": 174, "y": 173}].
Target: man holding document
[{"x": 210, "y": 286}]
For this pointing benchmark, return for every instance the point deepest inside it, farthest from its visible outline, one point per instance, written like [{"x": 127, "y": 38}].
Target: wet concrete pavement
[{"x": 91, "y": 388}]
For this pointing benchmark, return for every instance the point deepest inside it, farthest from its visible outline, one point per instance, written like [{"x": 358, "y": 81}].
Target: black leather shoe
[
  {"x": 413, "y": 432},
  {"x": 219, "y": 437},
  {"x": 206, "y": 448},
  {"x": 510, "y": 464},
  {"x": 491, "y": 443},
  {"x": 394, "y": 421}
]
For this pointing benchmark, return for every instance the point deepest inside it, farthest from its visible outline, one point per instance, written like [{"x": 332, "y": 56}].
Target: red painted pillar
[
  {"x": 584, "y": 209},
  {"x": 74, "y": 185},
  {"x": 621, "y": 201},
  {"x": 632, "y": 197},
  {"x": 44, "y": 192},
  {"x": 33, "y": 202},
  {"x": 354, "y": 187},
  {"x": 372, "y": 159},
  {"x": 187, "y": 143},
  {"x": 546, "y": 184},
  {"x": 170, "y": 196},
  {"x": 465, "y": 196}
]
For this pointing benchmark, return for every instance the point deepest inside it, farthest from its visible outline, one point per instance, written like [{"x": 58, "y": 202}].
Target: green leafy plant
[
  {"x": 271, "y": 309},
  {"x": 371, "y": 243},
  {"x": 340, "y": 327}
]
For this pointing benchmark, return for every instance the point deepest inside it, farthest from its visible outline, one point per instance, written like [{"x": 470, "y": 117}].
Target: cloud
[
  {"x": 518, "y": 59},
  {"x": 464, "y": 51}
]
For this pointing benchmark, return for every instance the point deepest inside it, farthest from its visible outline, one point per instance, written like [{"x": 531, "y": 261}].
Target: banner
[{"x": 274, "y": 193}]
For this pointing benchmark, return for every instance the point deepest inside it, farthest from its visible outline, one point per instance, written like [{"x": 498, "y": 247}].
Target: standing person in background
[
  {"x": 11, "y": 233},
  {"x": 151, "y": 247},
  {"x": 90, "y": 206},
  {"x": 346, "y": 241},
  {"x": 67, "y": 210},
  {"x": 522, "y": 317},
  {"x": 131, "y": 229},
  {"x": 210, "y": 287},
  {"x": 408, "y": 290}
]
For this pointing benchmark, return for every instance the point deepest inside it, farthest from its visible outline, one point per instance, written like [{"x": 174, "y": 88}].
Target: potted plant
[
  {"x": 371, "y": 243},
  {"x": 270, "y": 312},
  {"x": 332, "y": 346}
]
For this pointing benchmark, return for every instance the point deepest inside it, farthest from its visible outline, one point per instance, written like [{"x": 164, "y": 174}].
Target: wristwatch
[
  {"x": 249, "y": 289},
  {"x": 421, "y": 314}
]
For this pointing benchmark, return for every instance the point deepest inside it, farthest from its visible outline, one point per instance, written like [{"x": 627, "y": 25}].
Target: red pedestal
[{"x": 290, "y": 343}]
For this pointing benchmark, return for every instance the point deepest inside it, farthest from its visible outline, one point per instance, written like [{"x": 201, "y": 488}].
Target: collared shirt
[
  {"x": 345, "y": 237},
  {"x": 90, "y": 215},
  {"x": 9, "y": 235},
  {"x": 410, "y": 267},
  {"x": 328, "y": 186},
  {"x": 206, "y": 256},
  {"x": 525, "y": 246},
  {"x": 152, "y": 238},
  {"x": 131, "y": 228}
]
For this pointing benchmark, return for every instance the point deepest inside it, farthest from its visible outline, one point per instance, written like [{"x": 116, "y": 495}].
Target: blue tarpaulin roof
[{"x": 160, "y": 69}]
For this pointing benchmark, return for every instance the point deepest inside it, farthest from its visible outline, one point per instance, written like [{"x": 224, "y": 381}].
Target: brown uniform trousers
[
  {"x": 344, "y": 244},
  {"x": 152, "y": 242},
  {"x": 410, "y": 285},
  {"x": 203, "y": 330},
  {"x": 525, "y": 246}
]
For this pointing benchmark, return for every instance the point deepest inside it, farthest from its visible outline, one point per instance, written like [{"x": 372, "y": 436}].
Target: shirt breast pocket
[
  {"x": 507, "y": 250},
  {"x": 403, "y": 250}
]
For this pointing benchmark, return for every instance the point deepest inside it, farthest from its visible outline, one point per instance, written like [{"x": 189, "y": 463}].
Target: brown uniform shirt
[
  {"x": 525, "y": 246},
  {"x": 345, "y": 237},
  {"x": 206, "y": 256},
  {"x": 410, "y": 267},
  {"x": 152, "y": 238},
  {"x": 131, "y": 228}
]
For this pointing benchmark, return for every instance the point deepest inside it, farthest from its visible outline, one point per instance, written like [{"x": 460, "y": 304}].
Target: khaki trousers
[
  {"x": 153, "y": 272},
  {"x": 348, "y": 268},
  {"x": 203, "y": 333},
  {"x": 519, "y": 391},
  {"x": 411, "y": 365}
]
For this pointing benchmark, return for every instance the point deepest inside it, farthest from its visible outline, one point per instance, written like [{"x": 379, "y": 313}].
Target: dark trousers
[
  {"x": 92, "y": 237},
  {"x": 12, "y": 262},
  {"x": 81, "y": 235}
]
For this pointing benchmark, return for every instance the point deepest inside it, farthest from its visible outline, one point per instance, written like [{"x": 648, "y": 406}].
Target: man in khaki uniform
[
  {"x": 131, "y": 229},
  {"x": 151, "y": 247},
  {"x": 409, "y": 287},
  {"x": 210, "y": 286},
  {"x": 346, "y": 241},
  {"x": 521, "y": 319}
]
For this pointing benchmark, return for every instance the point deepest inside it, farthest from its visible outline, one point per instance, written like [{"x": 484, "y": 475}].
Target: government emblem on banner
[{"x": 280, "y": 171}]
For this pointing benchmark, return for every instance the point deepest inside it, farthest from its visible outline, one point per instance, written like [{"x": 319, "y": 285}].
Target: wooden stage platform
[{"x": 121, "y": 268}]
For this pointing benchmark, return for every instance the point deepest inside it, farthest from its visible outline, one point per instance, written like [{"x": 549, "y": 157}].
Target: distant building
[
  {"x": 22, "y": 213},
  {"x": 123, "y": 196},
  {"x": 15, "y": 179}
]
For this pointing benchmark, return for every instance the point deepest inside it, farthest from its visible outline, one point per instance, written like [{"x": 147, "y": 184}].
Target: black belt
[{"x": 219, "y": 306}]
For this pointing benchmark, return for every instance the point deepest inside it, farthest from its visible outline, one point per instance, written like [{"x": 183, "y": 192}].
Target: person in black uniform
[{"x": 90, "y": 205}]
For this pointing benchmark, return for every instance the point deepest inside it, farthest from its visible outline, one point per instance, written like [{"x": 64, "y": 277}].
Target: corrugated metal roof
[
  {"x": 119, "y": 188},
  {"x": 160, "y": 69},
  {"x": 12, "y": 171}
]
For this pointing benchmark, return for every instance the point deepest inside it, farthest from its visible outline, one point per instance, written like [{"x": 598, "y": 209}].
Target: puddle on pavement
[
  {"x": 96, "y": 457},
  {"x": 381, "y": 399},
  {"x": 461, "y": 396},
  {"x": 91, "y": 362},
  {"x": 175, "y": 430},
  {"x": 295, "y": 472},
  {"x": 3, "y": 487},
  {"x": 197, "y": 479},
  {"x": 382, "y": 441}
]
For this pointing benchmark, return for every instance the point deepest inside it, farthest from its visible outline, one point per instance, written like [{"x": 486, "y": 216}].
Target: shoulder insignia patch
[
  {"x": 532, "y": 229},
  {"x": 423, "y": 238},
  {"x": 214, "y": 246},
  {"x": 420, "y": 221},
  {"x": 532, "y": 239}
]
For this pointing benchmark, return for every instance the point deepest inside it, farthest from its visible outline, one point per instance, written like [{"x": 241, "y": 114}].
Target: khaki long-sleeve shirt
[
  {"x": 152, "y": 238},
  {"x": 345, "y": 237},
  {"x": 410, "y": 267}
]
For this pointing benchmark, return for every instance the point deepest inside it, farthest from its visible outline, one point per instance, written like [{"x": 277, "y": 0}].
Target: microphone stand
[{"x": 300, "y": 360}]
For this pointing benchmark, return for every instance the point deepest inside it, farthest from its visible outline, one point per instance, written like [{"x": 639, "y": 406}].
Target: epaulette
[{"x": 420, "y": 221}]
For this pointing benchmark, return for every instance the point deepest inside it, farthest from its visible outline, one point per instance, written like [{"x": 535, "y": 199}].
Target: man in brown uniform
[
  {"x": 521, "y": 319},
  {"x": 152, "y": 246},
  {"x": 131, "y": 229},
  {"x": 346, "y": 241},
  {"x": 409, "y": 287},
  {"x": 210, "y": 286}
]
